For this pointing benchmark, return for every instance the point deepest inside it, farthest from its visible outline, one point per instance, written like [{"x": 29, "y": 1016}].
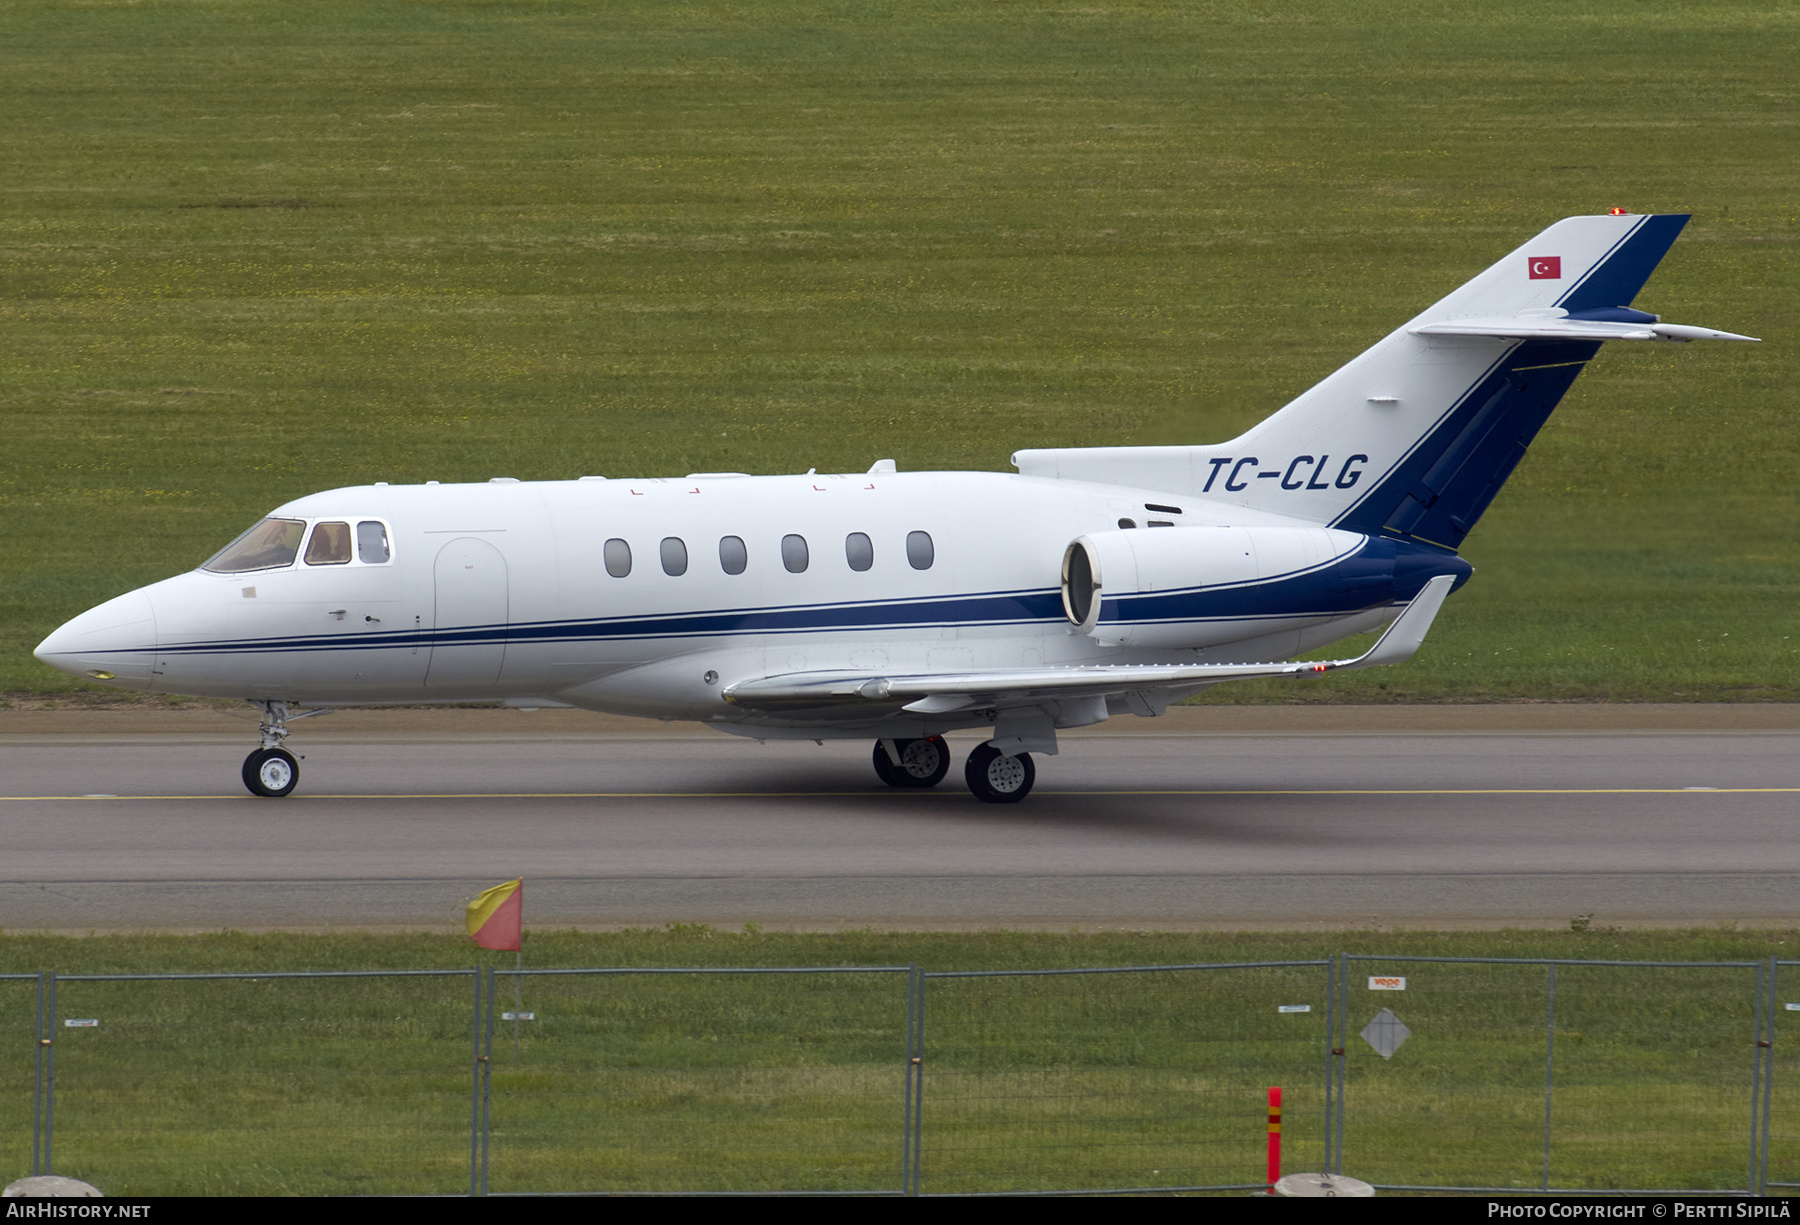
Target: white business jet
[{"x": 895, "y": 607}]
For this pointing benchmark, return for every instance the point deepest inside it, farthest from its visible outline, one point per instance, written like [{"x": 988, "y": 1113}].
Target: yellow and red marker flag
[{"x": 497, "y": 916}]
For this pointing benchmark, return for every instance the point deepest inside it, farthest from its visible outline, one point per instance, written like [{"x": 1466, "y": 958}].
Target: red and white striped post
[{"x": 1274, "y": 1137}]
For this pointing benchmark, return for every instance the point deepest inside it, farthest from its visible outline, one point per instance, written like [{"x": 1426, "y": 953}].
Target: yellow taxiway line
[{"x": 908, "y": 791}]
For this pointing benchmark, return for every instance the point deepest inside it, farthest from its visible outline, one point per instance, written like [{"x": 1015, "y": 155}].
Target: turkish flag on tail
[{"x": 1546, "y": 267}]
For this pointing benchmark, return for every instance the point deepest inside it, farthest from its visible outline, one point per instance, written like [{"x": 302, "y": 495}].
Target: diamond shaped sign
[{"x": 1385, "y": 1033}]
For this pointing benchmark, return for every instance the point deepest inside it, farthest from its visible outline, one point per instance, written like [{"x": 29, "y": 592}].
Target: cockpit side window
[
  {"x": 330, "y": 545},
  {"x": 372, "y": 542},
  {"x": 270, "y": 544}
]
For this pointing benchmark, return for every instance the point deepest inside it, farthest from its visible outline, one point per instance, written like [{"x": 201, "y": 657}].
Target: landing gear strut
[
  {"x": 271, "y": 771},
  {"x": 912, "y": 763},
  {"x": 999, "y": 778}
]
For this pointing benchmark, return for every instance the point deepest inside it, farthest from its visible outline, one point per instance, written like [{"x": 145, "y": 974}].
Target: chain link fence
[
  {"x": 20, "y": 998},
  {"x": 280, "y": 1084},
  {"x": 706, "y": 1080},
  {"x": 1143, "y": 1078},
  {"x": 1780, "y": 1120},
  {"x": 1504, "y": 1076},
  {"x": 1588, "y": 1077}
]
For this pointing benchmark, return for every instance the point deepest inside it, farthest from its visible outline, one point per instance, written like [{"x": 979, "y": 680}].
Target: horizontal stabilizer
[
  {"x": 1538, "y": 327},
  {"x": 943, "y": 693}
]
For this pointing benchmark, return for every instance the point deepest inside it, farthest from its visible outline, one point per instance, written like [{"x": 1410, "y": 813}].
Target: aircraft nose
[{"x": 114, "y": 642}]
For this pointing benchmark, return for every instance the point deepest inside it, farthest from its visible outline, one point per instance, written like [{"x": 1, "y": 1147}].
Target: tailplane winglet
[{"x": 1407, "y": 633}]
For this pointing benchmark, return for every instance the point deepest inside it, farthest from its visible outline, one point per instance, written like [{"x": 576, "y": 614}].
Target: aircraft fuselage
[{"x": 503, "y": 590}]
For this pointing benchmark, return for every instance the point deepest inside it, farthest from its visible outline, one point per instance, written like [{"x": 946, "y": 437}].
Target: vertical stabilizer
[{"x": 1415, "y": 436}]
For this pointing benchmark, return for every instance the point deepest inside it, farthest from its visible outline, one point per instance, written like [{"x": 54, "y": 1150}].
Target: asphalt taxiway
[{"x": 1213, "y": 817}]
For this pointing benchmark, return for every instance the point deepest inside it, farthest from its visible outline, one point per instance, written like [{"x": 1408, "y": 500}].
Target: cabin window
[
  {"x": 372, "y": 542},
  {"x": 793, "y": 553},
  {"x": 674, "y": 556},
  {"x": 919, "y": 550},
  {"x": 1127, "y": 524},
  {"x": 269, "y": 544},
  {"x": 618, "y": 558},
  {"x": 733, "y": 556},
  {"x": 859, "y": 551}
]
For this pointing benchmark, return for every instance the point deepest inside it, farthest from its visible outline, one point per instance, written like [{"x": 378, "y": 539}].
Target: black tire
[
  {"x": 271, "y": 773},
  {"x": 996, "y": 778},
  {"x": 923, "y": 763},
  {"x": 884, "y": 769}
]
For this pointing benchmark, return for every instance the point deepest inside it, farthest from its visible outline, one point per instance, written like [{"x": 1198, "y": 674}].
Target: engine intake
[{"x": 1190, "y": 586}]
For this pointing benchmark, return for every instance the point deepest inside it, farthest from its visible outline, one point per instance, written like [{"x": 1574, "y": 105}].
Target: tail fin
[{"x": 1415, "y": 436}]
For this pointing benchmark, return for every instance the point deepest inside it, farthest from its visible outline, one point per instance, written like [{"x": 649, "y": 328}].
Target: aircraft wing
[{"x": 940, "y": 693}]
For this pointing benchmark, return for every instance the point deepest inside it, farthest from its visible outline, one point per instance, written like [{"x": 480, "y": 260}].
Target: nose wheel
[
  {"x": 912, "y": 763},
  {"x": 271, "y": 773},
  {"x": 997, "y": 778}
]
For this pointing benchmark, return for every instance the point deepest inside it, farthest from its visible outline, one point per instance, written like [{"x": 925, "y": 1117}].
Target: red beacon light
[{"x": 1617, "y": 212}]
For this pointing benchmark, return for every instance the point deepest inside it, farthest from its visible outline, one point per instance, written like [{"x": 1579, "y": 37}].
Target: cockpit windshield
[{"x": 271, "y": 543}]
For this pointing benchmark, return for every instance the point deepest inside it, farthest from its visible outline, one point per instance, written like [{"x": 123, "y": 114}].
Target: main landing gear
[
  {"x": 912, "y": 763},
  {"x": 271, "y": 771},
  {"x": 999, "y": 778},
  {"x": 993, "y": 776}
]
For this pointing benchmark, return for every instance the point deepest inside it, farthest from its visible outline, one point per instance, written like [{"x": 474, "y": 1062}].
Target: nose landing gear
[{"x": 271, "y": 771}]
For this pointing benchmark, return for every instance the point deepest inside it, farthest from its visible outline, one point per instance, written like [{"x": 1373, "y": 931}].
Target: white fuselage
[{"x": 502, "y": 591}]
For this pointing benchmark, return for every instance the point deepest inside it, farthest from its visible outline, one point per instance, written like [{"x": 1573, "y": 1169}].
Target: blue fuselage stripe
[{"x": 1376, "y": 575}]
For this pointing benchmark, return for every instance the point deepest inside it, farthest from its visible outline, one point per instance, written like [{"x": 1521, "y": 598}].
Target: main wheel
[
  {"x": 271, "y": 773},
  {"x": 996, "y": 778},
  {"x": 923, "y": 763},
  {"x": 884, "y": 769}
]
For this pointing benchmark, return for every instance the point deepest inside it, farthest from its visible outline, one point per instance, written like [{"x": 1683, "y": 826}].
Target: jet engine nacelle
[{"x": 1193, "y": 586}]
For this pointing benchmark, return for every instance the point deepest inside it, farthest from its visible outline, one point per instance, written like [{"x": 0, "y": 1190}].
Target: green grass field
[
  {"x": 745, "y": 1082},
  {"x": 250, "y": 250}
]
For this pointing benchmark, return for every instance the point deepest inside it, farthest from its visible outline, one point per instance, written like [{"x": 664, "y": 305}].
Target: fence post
[
  {"x": 1342, "y": 968},
  {"x": 487, "y": 1080},
  {"x": 48, "y": 1047},
  {"x": 475, "y": 1089},
  {"x": 1330, "y": 1023},
  {"x": 915, "y": 1081},
  {"x": 37, "y": 1093},
  {"x": 1549, "y": 1068},
  {"x": 1762, "y": 1078},
  {"x": 1769, "y": 1074}
]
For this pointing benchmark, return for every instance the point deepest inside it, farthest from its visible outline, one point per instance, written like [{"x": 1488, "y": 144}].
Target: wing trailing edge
[{"x": 951, "y": 691}]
